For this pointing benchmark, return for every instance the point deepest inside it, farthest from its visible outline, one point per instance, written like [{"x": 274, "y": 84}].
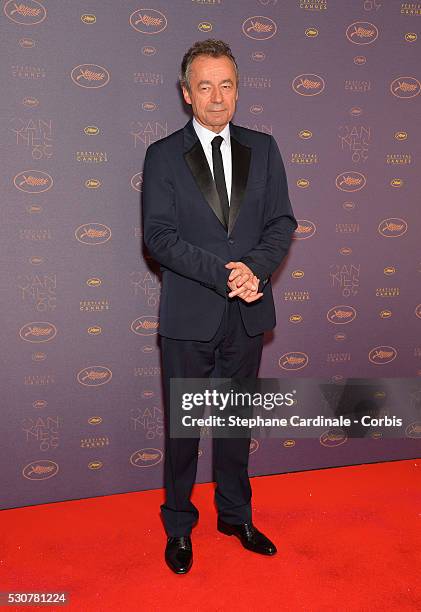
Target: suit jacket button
[{"x": 231, "y": 241}]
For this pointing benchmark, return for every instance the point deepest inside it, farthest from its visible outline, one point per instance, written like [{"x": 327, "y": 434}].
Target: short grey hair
[{"x": 211, "y": 47}]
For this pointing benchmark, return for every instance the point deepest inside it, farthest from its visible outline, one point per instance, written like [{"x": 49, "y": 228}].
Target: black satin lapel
[
  {"x": 241, "y": 155},
  {"x": 198, "y": 164}
]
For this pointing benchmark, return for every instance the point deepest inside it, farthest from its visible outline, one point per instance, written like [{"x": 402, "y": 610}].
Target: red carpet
[{"x": 348, "y": 539}]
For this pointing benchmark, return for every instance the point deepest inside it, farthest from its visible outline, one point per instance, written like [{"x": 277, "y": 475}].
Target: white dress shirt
[{"x": 206, "y": 136}]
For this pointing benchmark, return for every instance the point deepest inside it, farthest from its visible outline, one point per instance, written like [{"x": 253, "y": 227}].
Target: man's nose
[{"x": 216, "y": 95}]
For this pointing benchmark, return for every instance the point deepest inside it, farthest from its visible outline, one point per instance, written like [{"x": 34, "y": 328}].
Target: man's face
[{"x": 213, "y": 91}]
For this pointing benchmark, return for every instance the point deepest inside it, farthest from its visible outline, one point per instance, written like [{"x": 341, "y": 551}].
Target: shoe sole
[{"x": 179, "y": 572}]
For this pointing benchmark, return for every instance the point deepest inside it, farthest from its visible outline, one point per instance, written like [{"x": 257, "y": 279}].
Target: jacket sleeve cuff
[{"x": 222, "y": 289}]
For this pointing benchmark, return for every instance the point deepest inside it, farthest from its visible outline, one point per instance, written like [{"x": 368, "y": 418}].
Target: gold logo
[
  {"x": 305, "y": 134},
  {"x": 146, "y": 457},
  {"x": 288, "y": 443},
  {"x": 94, "y": 330},
  {"x": 295, "y": 318},
  {"x": 205, "y": 26},
  {"x": 258, "y": 56},
  {"x": 311, "y": 32},
  {"x": 39, "y": 404},
  {"x": 147, "y": 349},
  {"x": 393, "y": 227},
  {"x": 88, "y": 19},
  {"x": 30, "y": 102},
  {"x": 405, "y": 87},
  {"x": 256, "y": 109},
  {"x": 149, "y": 106},
  {"x": 382, "y": 354},
  {"x": 306, "y": 229},
  {"x": 385, "y": 314},
  {"x": 333, "y": 437},
  {"x": 40, "y": 470},
  {"x": 93, "y": 233},
  {"x": 148, "y": 393},
  {"x": 345, "y": 251},
  {"x": 356, "y": 111},
  {"x": 33, "y": 181},
  {"x": 27, "y": 43},
  {"x": 293, "y": 360},
  {"x": 93, "y": 376},
  {"x": 379, "y": 394},
  {"x": 396, "y": 182},
  {"x": 91, "y": 130},
  {"x": 411, "y": 37},
  {"x": 90, "y": 76},
  {"x": 303, "y": 183},
  {"x": 340, "y": 336},
  {"x": 148, "y": 21},
  {"x": 308, "y": 84},
  {"x": 95, "y": 420},
  {"x": 350, "y": 181},
  {"x": 401, "y": 135},
  {"x": 25, "y": 13},
  {"x": 362, "y": 33},
  {"x": 95, "y": 465},
  {"x": 259, "y": 27},
  {"x": 145, "y": 325},
  {"x": 34, "y": 208},
  {"x": 38, "y": 331},
  {"x": 93, "y": 183},
  {"x": 340, "y": 315},
  {"x": 36, "y": 260},
  {"x": 297, "y": 273},
  {"x": 360, "y": 60},
  {"x": 389, "y": 270},
  {"x": 94, "y": 282},
  {"x": 148, "y": 51}
]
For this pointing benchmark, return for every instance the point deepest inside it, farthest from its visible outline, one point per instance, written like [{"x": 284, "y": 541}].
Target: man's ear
[{"x": 186, "y": 95}]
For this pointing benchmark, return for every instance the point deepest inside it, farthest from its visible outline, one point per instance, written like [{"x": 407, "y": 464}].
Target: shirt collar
[{"x": 206, "y": 136}]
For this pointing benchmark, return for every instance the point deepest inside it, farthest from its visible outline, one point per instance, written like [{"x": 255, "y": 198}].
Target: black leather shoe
[
  {"x": 250, "y": 537},
  {"x": 179, "y": 554}
]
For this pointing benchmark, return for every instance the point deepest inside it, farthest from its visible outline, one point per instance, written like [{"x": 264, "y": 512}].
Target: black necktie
[{"x": 219, "y": 176}]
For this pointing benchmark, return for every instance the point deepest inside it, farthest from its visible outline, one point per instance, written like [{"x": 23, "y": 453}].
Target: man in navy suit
[{"x": 218, "y": 220}]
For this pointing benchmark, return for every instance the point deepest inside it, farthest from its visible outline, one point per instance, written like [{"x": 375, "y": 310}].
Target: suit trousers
[{"x": 230, "y": 353}]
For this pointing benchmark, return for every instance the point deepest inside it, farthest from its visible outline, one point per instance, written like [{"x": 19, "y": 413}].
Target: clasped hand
[{"x": 242, "y": 282}]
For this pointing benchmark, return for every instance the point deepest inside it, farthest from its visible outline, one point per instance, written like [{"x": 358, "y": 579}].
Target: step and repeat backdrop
[{"x": 86, "y": 87}]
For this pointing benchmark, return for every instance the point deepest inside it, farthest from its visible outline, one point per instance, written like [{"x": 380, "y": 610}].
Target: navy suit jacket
[{"x": 184, "y": 229}]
